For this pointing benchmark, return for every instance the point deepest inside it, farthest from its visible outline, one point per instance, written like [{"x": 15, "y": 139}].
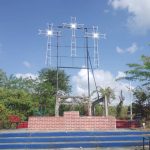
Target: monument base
[{"x": 71, "y": 121}]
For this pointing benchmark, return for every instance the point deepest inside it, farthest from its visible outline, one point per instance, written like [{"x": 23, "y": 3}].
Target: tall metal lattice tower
[
  {"x": 58, "y": 50},
  {"x": 95, "y": 35},
  {"x": 96, "y": 53},
  {"x": 73, "y": 26},
  {"x": 49, "y": 32}
]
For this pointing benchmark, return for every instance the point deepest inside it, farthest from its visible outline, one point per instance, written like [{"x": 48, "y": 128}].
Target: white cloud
[
  {"x": 119, "y": 50},
  {"x": 132, "y": 49},
  {"x": 26, "y": 75},
  {"x": 27, "y": 64},
  {"x": 120, "y": 75},
  {"x": 103, "y": 79},
  {"x": 139, "y": 10}
]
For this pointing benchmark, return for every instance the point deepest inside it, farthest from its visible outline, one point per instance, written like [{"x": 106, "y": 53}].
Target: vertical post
[
  {"x": 57, "y": 84},
  {"x": 143, "y": 144},
  {"x": 149, "y": 143},
  {"x": 73, "y": 43},
  {"x": 57, "y": 65},
  {"x": 106, "y": 106},
  {"x": 48, "y": 51},
  {"x": 87, "y": 64},
  {"x": 130, "y": 104}
]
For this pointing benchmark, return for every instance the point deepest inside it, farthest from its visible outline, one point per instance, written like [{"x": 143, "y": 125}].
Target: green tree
[
  {"x": 98, "y": 110},
  {"x": 119, "y": 108},
  {"x": 13, "y": 82},
  {"x": 108, "y": 94},
  {"x": 142, "y": 102},
  {"x": 27, "y": 96},
  {"x": 140, "y": 72},
  {"x": 18, "y": 102},
  {"x": 47, "y": 88},
  {"x": 3, "y": 78},
  {"x": 4, "y": 113},
  {"x": 49, "y": 76},
  {"x": 27, "y": 84},
  {"x": 112, "y": 110}
]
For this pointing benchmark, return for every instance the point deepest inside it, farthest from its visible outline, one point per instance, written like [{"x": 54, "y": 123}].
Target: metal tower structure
[
  {"x": 73, "y": 26},
  {"x": 96, "y": 53},
  {"x": 60, "y": 53},
  {"x": 96, "y": 36},
  {"x": 49, "y": 32}
]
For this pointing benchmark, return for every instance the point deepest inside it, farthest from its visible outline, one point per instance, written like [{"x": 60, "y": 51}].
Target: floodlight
[
  {"x": 73, "y": 25},
  {"x": 95, "y": 35},
  {"x": 49, "y": 32}
]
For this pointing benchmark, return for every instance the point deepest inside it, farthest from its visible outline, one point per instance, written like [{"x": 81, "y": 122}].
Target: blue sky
[{"x": 125, "y": 22}]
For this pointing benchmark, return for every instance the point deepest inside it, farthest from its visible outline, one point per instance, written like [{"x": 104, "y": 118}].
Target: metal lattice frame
[{"x": 87, "y": 33}]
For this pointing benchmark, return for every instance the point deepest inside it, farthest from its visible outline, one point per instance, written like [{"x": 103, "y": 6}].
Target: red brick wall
[{"x": 71, "y": 121}]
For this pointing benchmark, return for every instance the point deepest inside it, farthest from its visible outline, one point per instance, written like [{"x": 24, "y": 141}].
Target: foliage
[
  {"x": 4, "y": 116},
  {"x": 99, "y": 110},
  {"x": 26, "y": 84},
  {"x": 119, "y": 108},
  {"x": 142, "y": 102},
  {"x": 47, "y": 87},
  {"x": 3, "y": 78},
  {"x": 140, "y": 72},
  {"x": 112, "y": 110},
  {"x": 82, "y": 108},
  {"x": 108, "y": 94},
  {"x": 49, "y": 76},
  {"x": 18, "y": 102},
  {"x": 25, "y": 97}
]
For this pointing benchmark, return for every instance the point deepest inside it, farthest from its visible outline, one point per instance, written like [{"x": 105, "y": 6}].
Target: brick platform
[{"x": 71, "y": 121}]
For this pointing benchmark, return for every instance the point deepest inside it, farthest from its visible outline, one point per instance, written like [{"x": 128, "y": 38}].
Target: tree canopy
[
  {"x": 140, "y": 72},
  {"x": 108, "y": 94},
  {"x": 27, "y": 96}
]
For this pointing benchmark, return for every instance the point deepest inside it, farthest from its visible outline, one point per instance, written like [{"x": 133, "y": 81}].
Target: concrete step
[
  {"x": 57, "y": 140},
  {"x": 70, "y": 145},
  {"x": 92, "y": 133},
  {"x": 69, "y": 139}
]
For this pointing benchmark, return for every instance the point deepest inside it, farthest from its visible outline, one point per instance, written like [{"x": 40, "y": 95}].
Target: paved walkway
[
  {"x": 128, "y": 148},
  {"x": 27, "y": 130}
]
